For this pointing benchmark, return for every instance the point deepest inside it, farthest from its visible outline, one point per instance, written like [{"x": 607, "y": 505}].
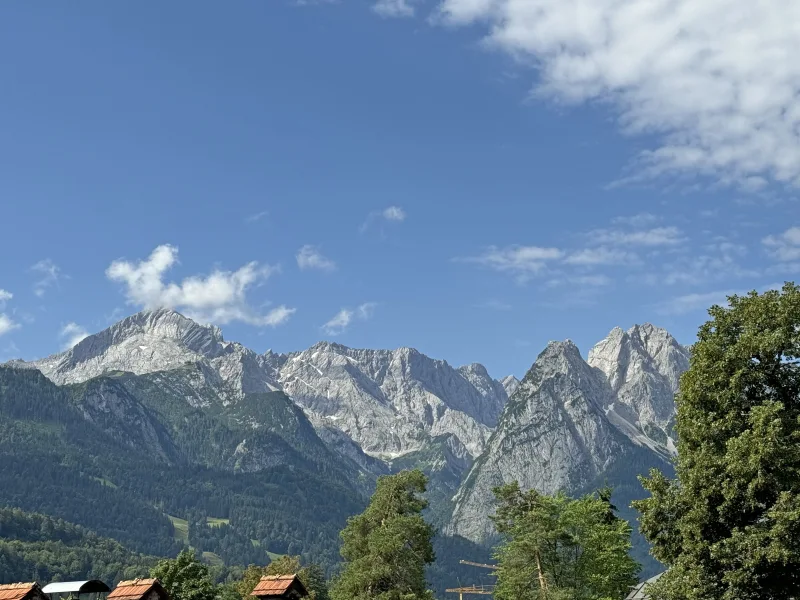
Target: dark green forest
[{"x": 154, "y": 474}]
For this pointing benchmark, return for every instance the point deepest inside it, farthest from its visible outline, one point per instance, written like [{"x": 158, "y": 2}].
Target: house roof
[
  {"x": 638, "y": 591},
  {"x": 80, "y": 587},
  {"x": 17, "y": 591},
  {"x": 277, "y": 585},
  {"x": 134, "y": 589}
]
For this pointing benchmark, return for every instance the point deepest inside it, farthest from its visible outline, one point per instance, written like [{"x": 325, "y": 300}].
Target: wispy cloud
[
  {"x": 390, "y": 214},
  {"x": 7, "y": 324},
  {"x": 641, "y": 220},
  {"x": 494, "y": 304},
  {"x": 784, "y": 246},
  {"x": 712, "y": 82},
  {"x": 659, "y": 236},
  {"x": 5, "y": 296},
  {"x": 522, "y": 261},
  {"x": 309, "y": 257},
  {"x": 601, "y": 256},
  {"x": 220, "y": 297},
  {"x": 687, "y": 303},
  {"x": 71, "y": 334},
  {"x": 50, "y": 275},
  {"x": 339, "y": 323},
  {"x": 394, "y": 8},
  {"x": 256, "y": 217}
]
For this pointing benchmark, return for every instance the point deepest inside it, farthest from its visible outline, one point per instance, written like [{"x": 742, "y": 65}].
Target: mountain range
[{"x": 178, "y": 397}]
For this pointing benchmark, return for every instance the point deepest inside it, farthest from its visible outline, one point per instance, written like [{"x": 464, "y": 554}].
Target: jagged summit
[
  {"x": 570, "y": 421},
  {"x": 389, "y": 402}
]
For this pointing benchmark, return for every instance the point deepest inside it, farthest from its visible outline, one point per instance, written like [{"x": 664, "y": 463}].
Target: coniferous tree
[
  {"x": 728, "y": 526},
  {"x": 387, "y": 547}
]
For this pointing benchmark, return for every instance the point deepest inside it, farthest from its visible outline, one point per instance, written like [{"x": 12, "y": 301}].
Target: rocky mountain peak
[
  {"x": 148, "y": 341},
  {"x": 643, "y": 366},
  {"x": 510, "y": 384}
]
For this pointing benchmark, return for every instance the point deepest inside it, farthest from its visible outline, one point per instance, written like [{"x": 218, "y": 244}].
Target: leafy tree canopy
[
  {"x": 185, "y": 577},
  {"x": 387, "y": 546},
  {"x": 556, "y": 547},
  {"x": 728, "y": 526}
]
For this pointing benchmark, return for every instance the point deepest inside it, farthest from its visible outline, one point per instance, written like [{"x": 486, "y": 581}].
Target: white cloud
[
  {"x": 256, "y": 217},
  {"x": 785, "y": 246},
  {"x": 7, "y": 324},
  {"x": 659, "y": 236},
  {"x": 522, "y": 261},
  {"x": 5, "y": 296},
  {"x": 392, "y": 213},
  {"x": 687, "y": 303},
  {"x": 309, "y": 257},
  {"x": 601, "y": 256},
  {"x": 71, "y": 334},
  {"x": 367, "y": 310},
  {"x": 715, "y": 82},
  {"x": 50, "y": 273},
  {"x": 339, "y": 323},
  {"x": 640, "y": 221},
  {"x": 341, "y": 320},
  {"x": 394, "y": 8},
  {"x": 219, "y": 297},
  {"x": 580, "y": 281},
  {"x": 702, "y": 302}
]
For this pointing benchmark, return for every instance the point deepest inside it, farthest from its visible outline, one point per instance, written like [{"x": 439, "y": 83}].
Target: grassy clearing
[
  {"x": 214, "y": 522},
  {"x": 180, "y": 529},
  {"x": 213, "y": 559},
  {"x": 273, "y": 556}
]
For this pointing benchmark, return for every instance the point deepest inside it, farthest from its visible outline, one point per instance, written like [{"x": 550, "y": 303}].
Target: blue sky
[{"x": 471, "y": 178}]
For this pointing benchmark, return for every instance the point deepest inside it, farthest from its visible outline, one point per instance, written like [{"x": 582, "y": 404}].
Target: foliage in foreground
[
  {"x": 387, "y": 547},
  {"x": 557, "y": 547},
  {"x": 729, "y": 525},
  {"x": 185, "y": 577}
]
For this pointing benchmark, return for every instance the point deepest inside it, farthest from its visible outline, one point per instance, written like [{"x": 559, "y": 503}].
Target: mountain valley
[{"x": 159, "y": 420}]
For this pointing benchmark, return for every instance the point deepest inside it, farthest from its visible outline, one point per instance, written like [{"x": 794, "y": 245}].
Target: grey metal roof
[
  {"x": 76, "y": 587},
  {"x": 638, "y": 592}
]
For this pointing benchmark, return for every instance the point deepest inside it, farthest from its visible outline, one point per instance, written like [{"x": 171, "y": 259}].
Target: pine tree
[
  {"x": 387, "y": 547},
  {"x": 556, "y": 547},
  {"x": 728, "y": 526}
]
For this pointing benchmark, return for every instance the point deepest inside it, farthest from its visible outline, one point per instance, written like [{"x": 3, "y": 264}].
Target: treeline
[{"x": 36, "y": 547}]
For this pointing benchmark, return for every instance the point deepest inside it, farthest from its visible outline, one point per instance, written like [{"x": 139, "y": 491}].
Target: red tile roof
[
  {"x": 17, "y": 591},
  {"x": 277, "y": 585},
  {"x": 134, "y": 589}
]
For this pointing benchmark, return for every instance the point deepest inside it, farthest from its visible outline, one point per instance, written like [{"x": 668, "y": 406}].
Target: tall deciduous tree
[
  {"x": 728, "y": 526},
  {"x": 556, "y": 547},
  {"x": 185, "y": 577},
  {"x": 387, "y": 546}
]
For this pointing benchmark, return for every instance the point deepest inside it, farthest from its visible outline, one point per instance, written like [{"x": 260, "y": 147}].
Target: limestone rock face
[
  {"x": 387, "y": 402},
  {"x": 643, "y": 366},
  {"x": 571, "y": 422},
  {"x": 392, "y": 402},
  {"x": 552, "y": 435},
  {"x": 160, "y": 340}
]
